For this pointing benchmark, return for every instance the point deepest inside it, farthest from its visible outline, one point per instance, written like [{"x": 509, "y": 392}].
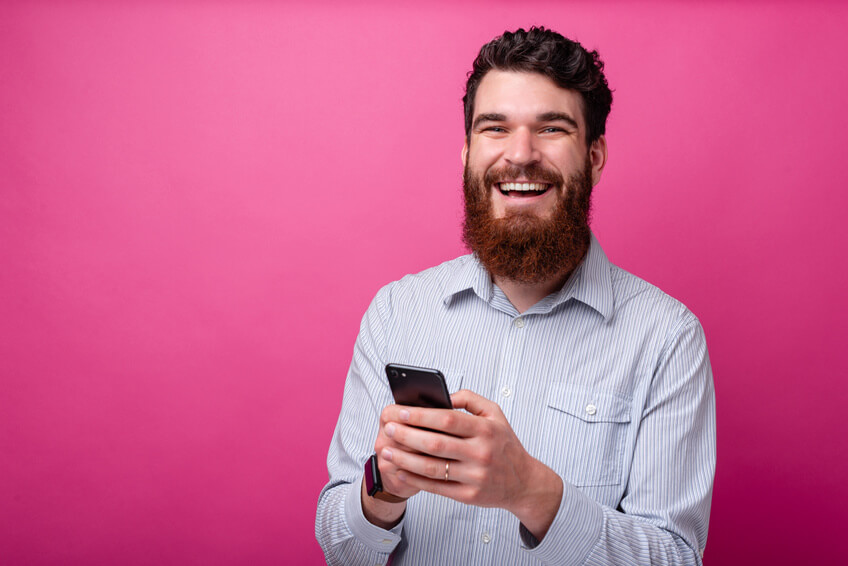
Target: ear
[
  {"x": 464, "y": 154},
  {"x": 598, "y": 158}
]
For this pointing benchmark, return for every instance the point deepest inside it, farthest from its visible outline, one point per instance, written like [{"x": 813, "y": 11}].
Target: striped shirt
[{"x": 606, "y": 381}]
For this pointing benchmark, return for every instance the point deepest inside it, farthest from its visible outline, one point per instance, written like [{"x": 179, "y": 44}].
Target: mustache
[{"x": 533, "y": 172}]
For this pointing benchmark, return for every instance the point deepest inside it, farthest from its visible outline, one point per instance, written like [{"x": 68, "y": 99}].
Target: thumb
[{"x": 475, "y": 404}]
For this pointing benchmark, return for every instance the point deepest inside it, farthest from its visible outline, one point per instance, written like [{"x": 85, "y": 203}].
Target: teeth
[{"x": 523, "y": 186}]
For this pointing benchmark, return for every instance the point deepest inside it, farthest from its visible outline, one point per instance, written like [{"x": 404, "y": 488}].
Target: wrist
[
  {"x": 374, "y": 483},
  {"x": 383, "y": 514},
  {"x": 538, "y": 506}
]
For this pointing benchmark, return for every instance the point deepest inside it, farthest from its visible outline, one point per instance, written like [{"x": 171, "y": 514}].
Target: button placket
[{"x": 509, "y": 366}]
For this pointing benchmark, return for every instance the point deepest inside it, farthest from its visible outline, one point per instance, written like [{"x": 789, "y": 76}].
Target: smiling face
[
  {"x": 528, "y": 134},
  {"x": 528, "y": 177}
]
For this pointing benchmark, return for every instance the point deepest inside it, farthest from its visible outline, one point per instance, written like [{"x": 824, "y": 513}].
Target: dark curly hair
[{"x": 540, "y": 50}]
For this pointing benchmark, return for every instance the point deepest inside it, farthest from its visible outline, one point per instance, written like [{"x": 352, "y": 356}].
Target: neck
[{"x": 525, "y": 295}]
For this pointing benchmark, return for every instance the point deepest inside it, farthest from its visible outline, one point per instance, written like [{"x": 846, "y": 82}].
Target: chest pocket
[{"x": 584, "y": 435}]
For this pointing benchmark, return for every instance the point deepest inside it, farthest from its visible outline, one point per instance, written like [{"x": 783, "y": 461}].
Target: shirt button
[
  {"x": 486, "y": 538},
  {"x": 591, "y": 409},
  {"x": 506, "y": 391},
  {"x": 519, "y": 323}
]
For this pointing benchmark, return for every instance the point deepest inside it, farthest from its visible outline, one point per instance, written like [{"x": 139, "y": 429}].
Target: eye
[
  {"x": 553, "y": 130},
  {"x": 496, "y": 129}
]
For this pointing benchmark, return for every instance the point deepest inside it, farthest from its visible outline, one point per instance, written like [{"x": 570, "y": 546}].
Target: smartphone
[{"x": 418, "y": 387}]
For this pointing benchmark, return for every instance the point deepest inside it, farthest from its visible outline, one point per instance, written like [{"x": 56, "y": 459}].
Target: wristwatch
[{"x": 374, "y": 483}]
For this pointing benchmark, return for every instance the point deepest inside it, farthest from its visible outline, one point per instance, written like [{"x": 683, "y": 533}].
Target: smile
[{"x": 523, "y": 189}]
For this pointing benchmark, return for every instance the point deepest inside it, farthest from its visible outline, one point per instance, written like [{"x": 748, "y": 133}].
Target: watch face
[{"x": 372, "y": 476}]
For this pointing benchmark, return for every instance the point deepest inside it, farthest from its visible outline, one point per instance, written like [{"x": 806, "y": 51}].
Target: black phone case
[{"x": 418, "y": 387}]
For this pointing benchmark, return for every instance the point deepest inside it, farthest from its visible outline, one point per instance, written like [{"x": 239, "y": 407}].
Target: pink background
[{"x": 199, "y": 201}]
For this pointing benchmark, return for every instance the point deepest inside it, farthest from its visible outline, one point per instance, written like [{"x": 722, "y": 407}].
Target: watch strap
[
  {"x": 374, "y": 483},
  {"x": 383, "y": 496}
]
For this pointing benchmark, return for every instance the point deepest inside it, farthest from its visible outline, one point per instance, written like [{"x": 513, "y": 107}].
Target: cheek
[
  {"x": 571, "y": 161},
  {"x": 483, "y": 155}
]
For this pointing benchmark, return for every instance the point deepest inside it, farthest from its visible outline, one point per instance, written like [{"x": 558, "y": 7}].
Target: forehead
[{"x": 519, "y": 95}]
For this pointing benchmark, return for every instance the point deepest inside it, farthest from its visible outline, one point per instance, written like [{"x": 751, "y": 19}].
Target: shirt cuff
[
  {"x": 575, "y": 530},
  {"x": 369, "y": 534}
]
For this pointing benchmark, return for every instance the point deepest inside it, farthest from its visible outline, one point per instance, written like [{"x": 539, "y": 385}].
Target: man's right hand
[
  {"x": 382, "y": 513},
  {"x": 384, "y": 442}
]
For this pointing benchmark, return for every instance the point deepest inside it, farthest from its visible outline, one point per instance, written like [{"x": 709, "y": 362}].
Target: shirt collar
[
  {"x": 591, "y": 283},
  {"x": 471, "y": 275}
]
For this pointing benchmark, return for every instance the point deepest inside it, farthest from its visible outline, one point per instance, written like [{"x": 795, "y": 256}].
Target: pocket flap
[{"x": 588, "y": 404}]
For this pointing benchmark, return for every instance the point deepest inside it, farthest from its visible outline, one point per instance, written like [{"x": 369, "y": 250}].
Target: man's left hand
[{"x": 486, "y": 464}]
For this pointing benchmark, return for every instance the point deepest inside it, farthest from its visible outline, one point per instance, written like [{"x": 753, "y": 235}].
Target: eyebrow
[
  {"x": 546, "y": 117},
  {"x": 558, "y": 117},
  {"x": 487, "y": 118}
]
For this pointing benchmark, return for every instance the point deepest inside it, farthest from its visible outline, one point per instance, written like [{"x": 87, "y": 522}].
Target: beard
[{"x": 521, "y": 246}]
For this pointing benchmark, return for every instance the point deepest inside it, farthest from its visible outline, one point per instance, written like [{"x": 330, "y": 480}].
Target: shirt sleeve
[
  {"x": 663, "y": 516},
  {"x": 341, "y": 528}
]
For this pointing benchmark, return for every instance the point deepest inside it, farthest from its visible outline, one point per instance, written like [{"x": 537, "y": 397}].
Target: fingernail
[
  {"x": 387, "y": 454},
  {"x": 390, "y": 430},
  {"x": 404, "y": 415}
]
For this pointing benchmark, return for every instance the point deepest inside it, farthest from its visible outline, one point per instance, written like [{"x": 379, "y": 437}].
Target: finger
[
  {"x": 389, "y": 414},
  {"x": 446, "y": 421},
  {"x": 425, "y": 466},
  {"x": 430, "y": 443},
  {"x": 391, "y": 483},
  {"x": 384, "y": 441},
  {"x": 454, "y": 490},
  {"x": 475, "y": 404},
  {"x": 388, "y": 470}
]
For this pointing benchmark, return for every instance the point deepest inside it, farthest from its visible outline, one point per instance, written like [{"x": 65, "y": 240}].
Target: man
[{"x": 584, "y": 421}]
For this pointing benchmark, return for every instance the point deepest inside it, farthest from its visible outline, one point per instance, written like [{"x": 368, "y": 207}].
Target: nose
[{"x": 521, "y": 149}]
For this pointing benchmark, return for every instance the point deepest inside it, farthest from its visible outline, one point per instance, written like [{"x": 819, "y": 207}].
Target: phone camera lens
[{"x": 393, "y": 373}]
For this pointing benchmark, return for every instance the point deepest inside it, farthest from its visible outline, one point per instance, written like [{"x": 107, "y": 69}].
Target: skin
[{"x": 519, "y": 119}]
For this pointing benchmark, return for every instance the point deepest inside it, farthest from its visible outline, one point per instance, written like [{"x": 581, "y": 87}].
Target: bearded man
[{"x": 583, "y": 429}]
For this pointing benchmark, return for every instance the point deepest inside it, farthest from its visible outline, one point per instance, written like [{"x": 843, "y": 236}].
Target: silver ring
[{"x": 447, "y": 470}]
